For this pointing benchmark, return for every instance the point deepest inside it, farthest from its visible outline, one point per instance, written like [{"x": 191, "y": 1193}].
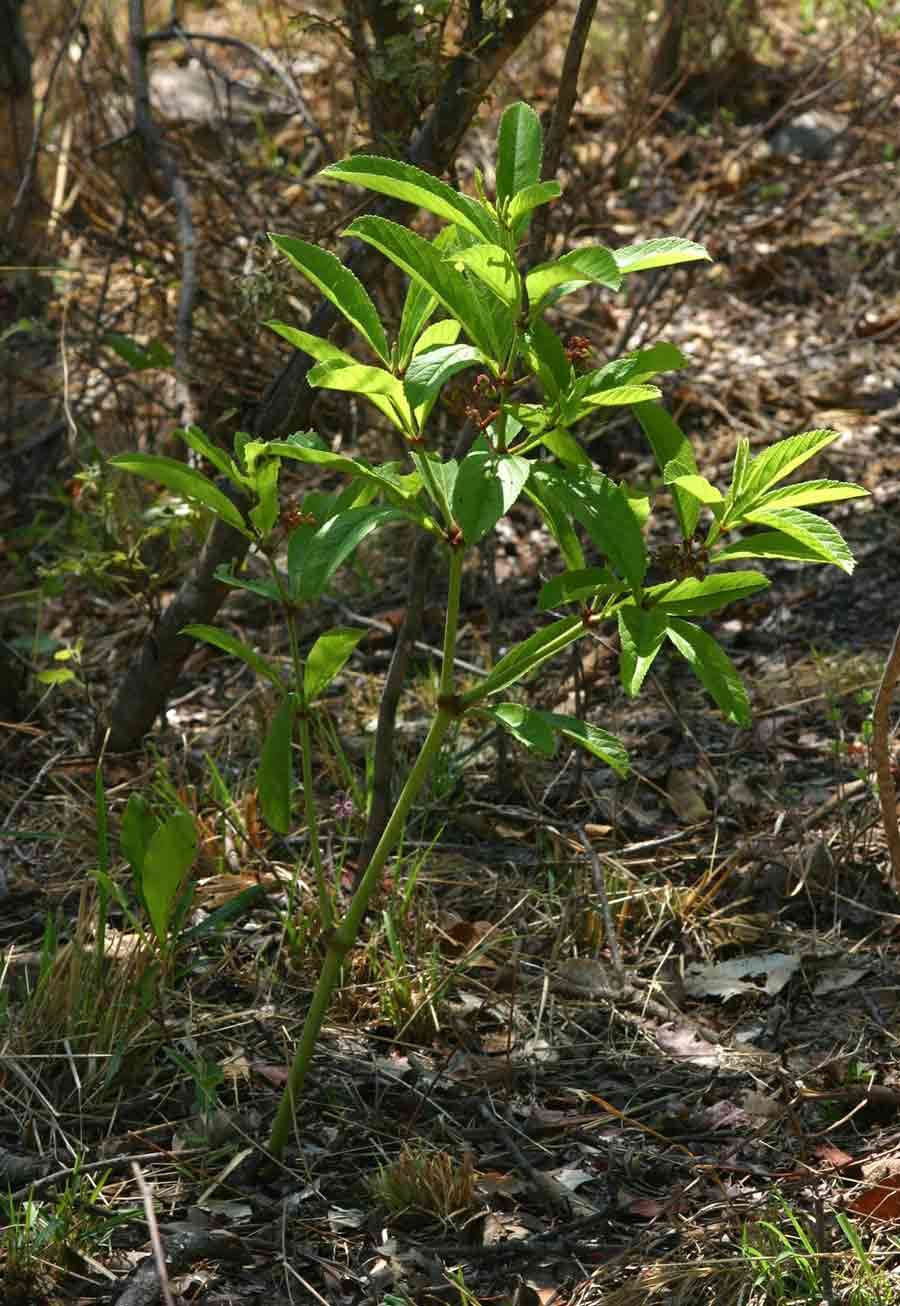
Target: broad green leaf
[
  {"x": 604, "y": 511},
  {"x": 808, "y": 529},
  {"x": 275, "y": 779},
  {"x": 266, "y": 589},
  {"x": 697, "y": 486},
  {"x": 264, "y": 514},
  {"x": 339, "y": 285},
  {"x": 531, "y": 198},
  {"x": 795, "y": 496},
  {"x": 376, "y": 383},
  {"x": 138, "y": 827},
  {"x": 419, "y": 259},
  {"x": 235, "y": 647},
  {"x": 527, "y": 726},
  {"x": 183, "y": 480},
  {"x": 782, "y": 458},
  {"x": 520, "y": 145},
  {"x": 526, "y": 657},
  {"x": 444, "y": 332},
  {"x": 323, "y": 351},
  {"x": 443, "y": 474},
  {"x": 599, "y": 742},
  {"x": 397, "y": 486},
  {"x": 566, "y": 448},
  {"x": 493, "y": 267},
  {"x": 429, "y": 371},
  {"x": 557, "y": 521},
  {"x": 169, "y": 856},
  {"x": 201, "y": 444},
  {"x": 590, "y": 264},
  {"x": 58, "y": 676},
  {"x": 577, "y": 585},
  {"x": 140, "y": 358},
  {"x": 770, "y": 544},
  {"x": 418, "y": 307},
  {"x": 546, "y": 356},
  {"x": 622, "y": 394},
  {"x": 641, "y": 633},
  {"x": 487, "y": 486},
  {"x": 403, "y": 181},
  {"x": 693, "y": 598},
  {"x": 713, "y": 668},
  {"x": 331, "y": 545},
  {"x": 668, "y": 442},
  {"x": 661, "y": 253},
  {"x": 326, "y": 658}
]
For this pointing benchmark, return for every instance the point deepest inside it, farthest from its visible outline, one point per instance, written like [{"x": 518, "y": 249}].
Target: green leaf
[
  {"x": 323, "y": 351},
  {"x": 376, "y": 383},
  {"x": 494, "y": 268},
  {"x": 812, "y": 532},
  {"x": 641, "y": 633},
  {"x": 430, "y": 370},
  {"x": 527, "y": 726},
  {"x": 235, "y": 647},
  {"x": 419, "y": 259},
  {"x": 566, "y": 448},
  {"x": 326, "y": 658},
  {"x": 693, "y": 598},
  {"x": 577, "y": 585},
  {"x": 520, "y": 145},
  {"x": 138, "y": 827},
  {"x": 526, "y": 657},
  {"x": 622, "y": 394},
  {"x": 418, "y": 307},
  {"x": 794, "y": 496},
  {"x": 557, "y": 521},
  {"x": 546, "y": 356},
  {"x": 590, "y": 264},
  {"x": 770, "y": 544},
  {"x": 661, "y": 253},
  {"x": 275, "y": 780},
  {"x": 266, "y": 589},
  {"x": 264, "y": 514},
  {"x": 782, "y": 458},
  {"x": 403, "y": 181},
  {"x": 669, "y": 443},
  {"x": 713, "y": 668},
  {"x": 402, "y": 487},
  {"x": 599, "y": 742},
  {"x": 604, "y": 511},
  {"x": 140, "y": 358},
  {"x": 531, "y": 197},
  {"x": 698, "y": 487},
  {"x": 331, "y": 545},
  {"x": 201, "y": 444},
  {"x": 487, "y": 486},
  {"x": 169, "y": 856},
  {"x": 339, "y": 285},
  {"x": 183, "y": 480},
  {"x": 58, "y": 676}
]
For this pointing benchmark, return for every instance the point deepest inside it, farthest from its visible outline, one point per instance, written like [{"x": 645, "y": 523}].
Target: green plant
[
  {"x": 423, "y": 1180},
  {"x": 790, "y": 1266},
  {"x": 530, "y": 391},
  {"x": 40, "y": 1238}
]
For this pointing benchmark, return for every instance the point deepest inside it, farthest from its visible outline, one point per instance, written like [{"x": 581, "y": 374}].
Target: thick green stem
[{"x": 344, "y": 935}]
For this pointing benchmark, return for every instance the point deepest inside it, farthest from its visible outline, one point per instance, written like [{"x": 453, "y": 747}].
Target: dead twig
[{"x": 881, "y": 752}]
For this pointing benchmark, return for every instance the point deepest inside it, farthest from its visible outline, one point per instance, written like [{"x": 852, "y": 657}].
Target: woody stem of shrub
[{"x": 344, "y": 935}]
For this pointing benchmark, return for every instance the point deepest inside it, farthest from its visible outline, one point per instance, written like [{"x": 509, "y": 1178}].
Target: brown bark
[{"x": 16, "y": 125}]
